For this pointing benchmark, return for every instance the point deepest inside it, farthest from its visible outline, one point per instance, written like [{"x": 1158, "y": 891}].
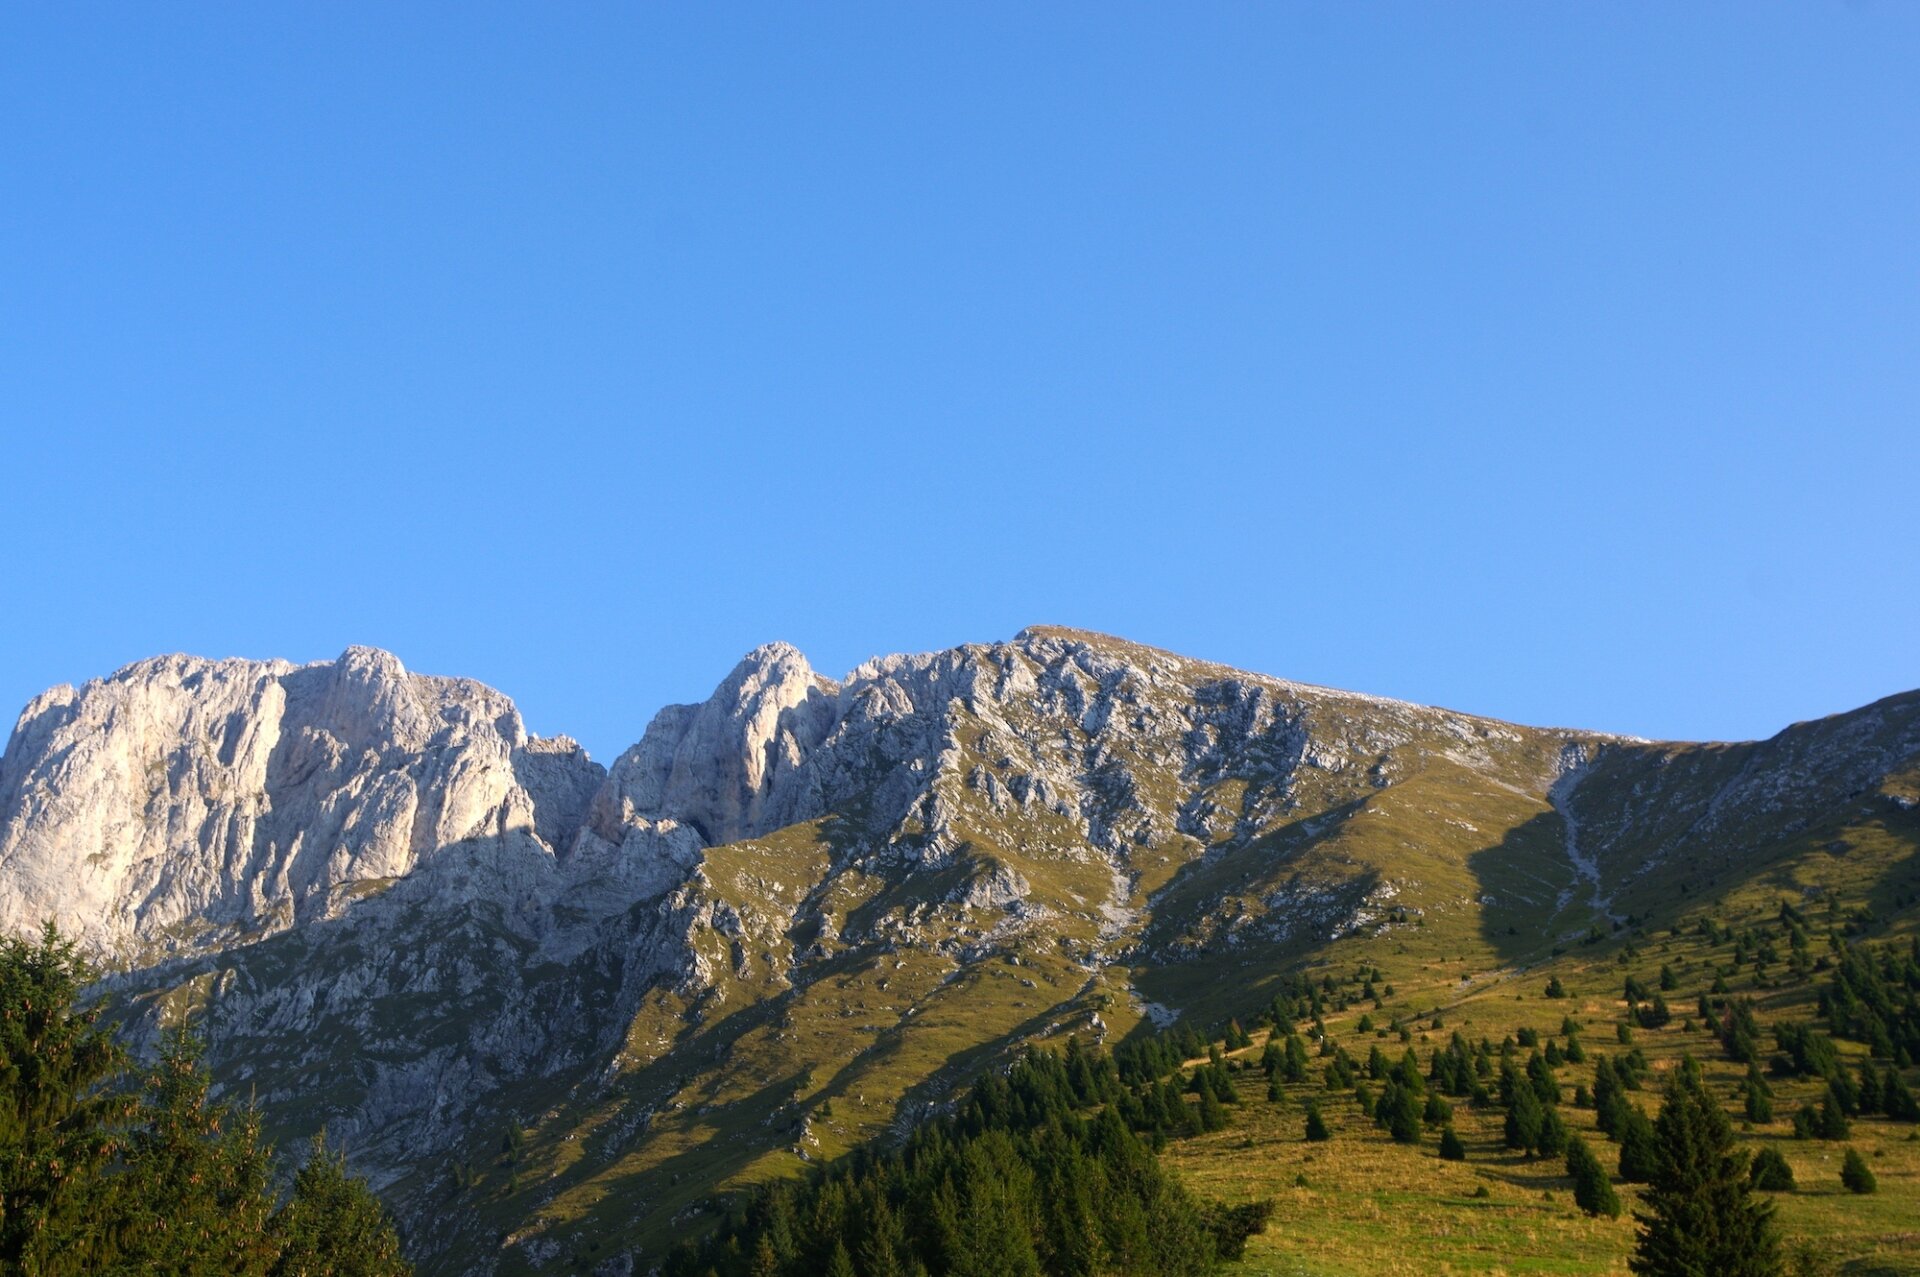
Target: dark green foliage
[
  {"x": 1770, "y": 1172},
  {"x": 1540, "y": 1077},
  {"x": 1552, "y": 1140},
  {"x": 1639, "y": 1159},
  {"x": 1522, "y": 1126},
  {"x": 1555, "y": 989},
  {"x": 1871, "y": 999},
  {"x": 1609, "y": 1098},
  {"x": 1655, "y": 1014},
  {"x": 1831, "y": 1122},
  {"x": 1036, "y": 1174},
  {"x": 1701, "y": 1214},
  {"x": 108, "y": 1170},
  {"x": 1856, "y": 1174},
  {"x": 1804, "y": 1052},
  {"x": 333, "y": 1225},
  {"x": 1317, "y": 1125},
  {"x": 1213, "y": 1115},
  {"x": 1758, "y": 1096},
  {"x": 1592, "y": 1190},
  {"x": 1399, "y": 1112},
  {"x": 1897, "y": 1098},
  {"x": 1740, "y": 1032}
]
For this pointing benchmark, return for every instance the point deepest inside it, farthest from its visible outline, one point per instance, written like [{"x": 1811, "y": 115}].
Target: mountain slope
[{"x": 554, "y": 1009}]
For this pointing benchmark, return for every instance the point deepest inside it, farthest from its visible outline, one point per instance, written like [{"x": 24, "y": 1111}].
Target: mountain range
[{"x": 558, "y": 1011}]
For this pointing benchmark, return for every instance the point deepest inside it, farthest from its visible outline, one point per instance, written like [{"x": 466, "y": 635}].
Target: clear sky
[{"x": 1556, "y": 362}]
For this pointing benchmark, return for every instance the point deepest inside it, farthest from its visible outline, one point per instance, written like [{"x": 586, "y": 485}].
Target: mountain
[{"x": 557, "y": 1011}]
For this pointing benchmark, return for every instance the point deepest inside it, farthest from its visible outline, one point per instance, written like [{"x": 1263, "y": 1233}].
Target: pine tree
[
  {"x": 1701, "y": 1215},
  {"x": 1639, "y": 1158},
  {"x": 1523, "y": 1119},
  {"x": 1552, "y": 1140},
  {"x": 1399, "y": 1112},
  {"x": 1770, "y": 1172},
  {"x": 1452, "y": 1148},
  {"x": 1832, "y": 1123},
  {"x": 1856, "y": 1174},
  {"x": 1317, "y": 1125},
  {"x": 333, "y": 1225},
  {"x": 1759, "y": 1096},
  {"x": 59, "y": 1127},
  {"x": 105, "y": 1170},
  {"x": 1592, "y": 1190},
  {"x": 1609, "y": 1102},
  {"x": 1213, "y": 1115}
]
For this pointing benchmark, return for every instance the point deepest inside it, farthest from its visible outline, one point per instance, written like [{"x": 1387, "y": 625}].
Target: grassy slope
[{"x": 1370, "y": 1206}]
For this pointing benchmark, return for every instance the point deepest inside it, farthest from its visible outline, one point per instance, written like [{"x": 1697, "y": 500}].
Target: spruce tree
[
  {"x": 1592, "y": 1190},
  {"x": 333, "y": 1225},
  {"x": 1856, "y": 1174},
  {"x": 1701, "y": 1214},
  {"x": 105, "y": 1169},
  {"x": 58, "y": 1126},
  {"x": 1523, "y": 1120},
  {"x": 1759, "y": 1096},
  {"x": 1317, "y": 1125},
  {"x": 1213, "y": 1115},
  {"x": 1452, "y": 1147},
  {"x": 1639, "y": 1158},
  {"x": 1770, "y": 1172}
]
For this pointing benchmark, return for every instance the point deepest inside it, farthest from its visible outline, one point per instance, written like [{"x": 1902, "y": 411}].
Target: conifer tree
[
  {"x": 1213, "y": 1115},
  {"x": 333, "y": 1225},
  {"x": 1638, "y": 1157},
  {"x": 1770, "y": 1172},
  {"x": 1609, "y": 1102},
  {"x": 1856, "y": 1174},
  {"x": 1592, "y": 1190},
  {"x": 1552, "y": 1140},
  {"x": 108, "y": 1170},
  {"x": 1701, "y": 1216},
  {"x": 1523, "y": 1120},
  {"x": 1452, "y": 1148},
  {"x": 1317, "y": 1125},
  {"x": 1758, "y": 1096}
]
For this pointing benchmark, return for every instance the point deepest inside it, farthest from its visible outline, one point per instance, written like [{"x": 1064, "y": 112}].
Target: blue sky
[{"x": 1556, "y": 362}]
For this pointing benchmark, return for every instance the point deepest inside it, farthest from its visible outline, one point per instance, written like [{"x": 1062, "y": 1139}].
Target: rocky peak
[
  {"x": 716, "y": 765},
  {"x": 183, "y": 803}
]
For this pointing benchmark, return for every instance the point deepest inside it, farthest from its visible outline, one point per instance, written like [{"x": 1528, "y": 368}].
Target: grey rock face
[{"x": 183, "y": 805}]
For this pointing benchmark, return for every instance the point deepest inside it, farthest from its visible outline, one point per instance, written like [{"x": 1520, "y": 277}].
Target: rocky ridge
[{"x": 398, "y": 914}]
